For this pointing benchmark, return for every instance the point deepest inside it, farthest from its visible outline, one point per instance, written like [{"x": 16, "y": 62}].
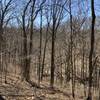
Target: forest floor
[{"x": 16, "y": 89}]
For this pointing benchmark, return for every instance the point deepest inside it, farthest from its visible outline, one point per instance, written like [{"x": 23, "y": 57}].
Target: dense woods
[{"x": 49, "y": 49}]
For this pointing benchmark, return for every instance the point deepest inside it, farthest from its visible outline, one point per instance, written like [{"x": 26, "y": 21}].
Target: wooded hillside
[{"x": 49, "y": 50}]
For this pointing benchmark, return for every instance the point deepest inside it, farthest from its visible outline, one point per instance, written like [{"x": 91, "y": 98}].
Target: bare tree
[
  {"x": 45, "y": 44},
  {"x": 33, "y": 14},
  {"x": 91, "y": 67},
  {"x": 71, "y": 47},
  {"x": 25, "y": 69},
  {"x": 57, "y": 15}
]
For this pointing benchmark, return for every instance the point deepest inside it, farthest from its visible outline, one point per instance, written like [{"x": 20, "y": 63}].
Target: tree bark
[{"x": 91, "y": 50}]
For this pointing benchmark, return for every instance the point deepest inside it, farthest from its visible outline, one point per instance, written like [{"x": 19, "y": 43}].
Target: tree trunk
[
  {"x": 91, "y": 51},
  {"x": 52, "y": 60}
]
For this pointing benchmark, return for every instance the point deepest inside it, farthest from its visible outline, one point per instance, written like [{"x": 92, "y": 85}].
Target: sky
[
  {"x": 97, "y": 7},
  {"x": 20, "y": 3}
]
